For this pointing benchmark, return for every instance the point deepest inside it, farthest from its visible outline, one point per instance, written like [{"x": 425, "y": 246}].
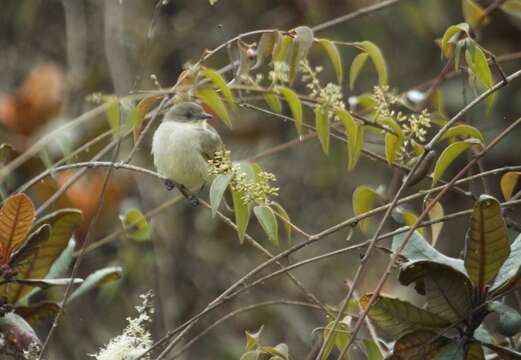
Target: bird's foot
[
  {"x": 194, "y": 201},
  {"x": 170, "y": 185}
]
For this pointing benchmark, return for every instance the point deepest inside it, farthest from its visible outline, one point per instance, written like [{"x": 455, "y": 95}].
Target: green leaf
[
  {"x": 252, "y": 339},
  {"x": 274, "y": 102},
  {"x": 449, "y": 154},
  {"x": 510, "y": 273},
  {"x": 219, "y": 81},
  {"x": 397, "y": 317},
  {"x": 284, "y": 215},
  {"x": 242, "y": 214},
  {"x": 487, "y": 242},
  {"x": 352, "y": 129},
  {"x": 474, "y": 14},
  {"x": 364, "y": 198},
  {"x": 509, "y": 319},
  {"x": 250, "y": 355},
  {"x": 281, "y": 47},
  {"x": 393, "y": 143},
  {"x": 453, "y": 351},
  {"x": 98, "y": 278},
  {"x": 504, "y": 353},
  {"x": 512, "y": 7},
  {"x": 508, "y": 183},
  {"x": 63, "y": 262},
  {"x": 268, "y": 221},
  {"x": 407, "y": 217},
  {"x": 113, "y": 115},
  {"x": 265, "y": 47},
  {"x": 419, "y": 345},
  {"x": 208, "y": 95},
  {"x": 294, "y": 105},
  {"x": 372, "y": 351},
  {"x": 339, "y": 338},
  {"x": 448, "y": 291},
  {"x": 377, "y": 58},
  {"x": 322, "y": 127},
  {"x": 463, "y": 132},
  {"x": 356, "y": 66},
  {"x": 301, "y": 45},
  {"x": 217, "y": 189},
  {"x": 334, "y": 55},
  {"x": 449, "y": 37},
  {"x": 478, "y": 64},
  {"x": 136, "y": 225}
]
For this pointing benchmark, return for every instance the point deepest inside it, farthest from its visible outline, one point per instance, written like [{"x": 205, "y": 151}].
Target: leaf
[
  {"x": 364, "y": 198},
  {"x": 463, "y": 132},
  {"x": 219, "y": 81},
  {"x": 504, "y": 353},
  {"x": 407, "y": 217},
  {"x": 322, "y": 127},
  {"x": 510, "y": 273},
  {"x": 38, "y": 312},
  {"x": 449, "y": 154},
  {"x": 274, "y": 102},
  {"x": 397, "y": 317},
  {"x": 372, "y": 351},
  {"x": 352, "y": 130},
  {"x": 268, "y": 221},
  {"x": 474, "y": 351},
  {"x": 250, "y": 355},
  {"x": 301, "y": 45},
  {"x": 487, "y": 245},
  {"x": 265, "y": 47},
  {"x": 113, "y": 115},
  {"x": 217, "y": 189},
  {"x": 377, "y": 58},
  {"x": 18, "y": 332},
  {"x": 453, "y": 351},
  {"x": 47, "y": 283},
  {"x": 356, "y": 66},
  {"x": 334, "y": 55},
  {"x": 478, "y": 64},
  {"x": 284, "y": 215},
  {"x": 143, "y": 108},
  {"x": 512, "y": 7},
  {"x": 98, "y": 278},
  {"x": 338, "y": 339},
  {"x": 208, "y": 95},
  {"x": 419, "y": 249},
  {"x": 136, "y": 225},
  {"x": 449, "y": 36},
  {"x": 63, "y": 262},
  {"x": 393, "y": 143},
  {"x": 419, "y": 345},
  {"x": 436, "y": 213},
  {"x": 474, "y": 14},
  {"x": 281, "y": 47},
  {"x": 509, "y": 319},
  {"x": 243, "y": 70},
  {"x": 448, "y": 291},
  {"x": 508, "y": 183},
  {"x": 294, "y": 105},
  {"x": 242, "y": 214},
  {"x": 252, "y": 339},
  {"x": 16, "y": 219}
]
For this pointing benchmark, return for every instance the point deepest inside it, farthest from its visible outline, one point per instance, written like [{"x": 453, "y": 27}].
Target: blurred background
[{"x": 55, "y": 55}]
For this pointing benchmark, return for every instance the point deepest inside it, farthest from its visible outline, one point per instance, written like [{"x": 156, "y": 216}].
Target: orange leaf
[
  {"x": 143, "y": 107},
  {"x": 16, "y": 219},
  {"x": 508, "y": 183}
]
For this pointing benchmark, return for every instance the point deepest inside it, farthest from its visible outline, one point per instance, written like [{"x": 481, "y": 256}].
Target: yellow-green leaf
[
  {"x": 294, "y": 105},
  {"x": 16, "y": 219},
  {"x": 339, "y": 338},
  {"x": 265, "y": 47},
  {"x": 217, "y": 189},
  {"x": 508, "y": 183},
  {"x": 487, "y": 242},
  {"x": 449, "y": 36},
  {"x": 364, "y": 198},
  {"x": 393, "y": 142},
  {"x": 478, "y": 64},
  {"x": 143, "y": 107},
  {"x": 212, "y": 99},
  {"x": 136, "y": 225},
  {"x": 98, "y": 278},
  {"x": 274, "y": 102},
  {"x": 448, "y": 155},
  {"x": 284, "y": 215},
  {"x": 474, "y": 14},
  {"x": 252, "y": 339},
  {"x": 334, "y": 55},
  {"x": 322, "y": 127},
  {"x": 356, "y": 66},
  {"x": 463, "y": 132},
  {"x": 113, "y": 115},
  {"x": 352, "y": 129},
  {"x": 281, "y": 47},
  {"x": 301, "y": 45},
  {"x": 377, "y": 58},
  {"x": 407, "y": 217},
  {"x": 419, "y": 345},
  {"x": 512, "y": 7},
  {"x": 219, "y": 81},
  {"x": 242, "y": 214},
  {"x": 434, "y": 214},
  {"x": 372, "y": 351},
  {"x": 268, "y": 222}
]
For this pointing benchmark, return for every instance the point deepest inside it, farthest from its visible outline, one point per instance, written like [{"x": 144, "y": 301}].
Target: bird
[{"x": 182, "y": 145}]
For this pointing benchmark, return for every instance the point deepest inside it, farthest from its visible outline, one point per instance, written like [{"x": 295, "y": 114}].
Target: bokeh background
[{"x": 55, "y": 55}]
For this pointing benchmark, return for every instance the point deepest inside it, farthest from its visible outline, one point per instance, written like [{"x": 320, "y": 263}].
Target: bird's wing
[{"x": 210, "y": 141}]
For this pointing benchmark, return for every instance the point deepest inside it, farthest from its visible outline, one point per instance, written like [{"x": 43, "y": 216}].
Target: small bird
[{"x": 182, "y": 146}]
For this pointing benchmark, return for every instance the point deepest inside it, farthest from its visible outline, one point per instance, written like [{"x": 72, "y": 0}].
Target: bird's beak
[{"x": 207, "y": 116}]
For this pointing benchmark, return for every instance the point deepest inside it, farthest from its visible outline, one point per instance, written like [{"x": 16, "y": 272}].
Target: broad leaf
[
  {"x": 377, "y": 58},
  {"x": 356, "y": 66},
  {"x": 281, "y": 47},
  {"x": 208, "y": 95},
  {"x": 242, "y": 214},
  {"x": 265, "y": 48},
  {"x": 512, "y": 7},
  {"x": 219, "y": 81},
  {"x": 352, "y": 134},
  {"x": 487, "y": 242},
  {"x": 284, "y": 215},
  {"x": 113, "y": 115},
  {"x": 143, "y": 107},
  {"x": 339, "y": 338},
  {"x": 453, "y": 351},
  {"x": 463, "y": 132},
  {"x": 63, "y": 262},
  {"x": 449, "y": 36},
  {"x": 510, "y": 273},
  {"x": 268, "y": 221},
  {"x": 419, "y": 345},
  {"x": 322, "y": 127},
  {"x": 397, "y": 317},
  {"x": 274, "y": 102},
  {"x": 136, "y": 225},
  {"x": 474, "y": 14},
  {"x": 217, "y": 189},
  {"x": 508, "y": 183},
  {"x": 98, "y": 278},
  {"x": 509, "y": 319},
  {"x": 448, "y": 155},
  {"x": 478, "y": 64},
  {"x": 393, "y": 143},
  {"x": 250, "y": 355},
  {"x": 38, "y": 312},
  {"x": 16, "y": 219},
  {"x": 300, "y": 49},
  {"x": 372, "y": 351},
  {"x": 364, "y": 198},
  {"x": 294, "y": 105},
  {"x": 334, "y": 55}
]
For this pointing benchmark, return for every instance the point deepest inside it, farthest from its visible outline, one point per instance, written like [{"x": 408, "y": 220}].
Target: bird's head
[{"x": 187, "y": 112}]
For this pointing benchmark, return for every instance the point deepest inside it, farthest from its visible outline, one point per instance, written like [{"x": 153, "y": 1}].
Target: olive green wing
[{"x": 210, "y": 141}]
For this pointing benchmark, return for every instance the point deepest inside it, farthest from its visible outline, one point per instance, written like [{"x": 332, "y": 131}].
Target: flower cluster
[
  {"x": 329, "y": 96},
  {"x": 256, "y": 191},
  {"x": 135, "y": 339},
  {"x": 280, "y": 72}
]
